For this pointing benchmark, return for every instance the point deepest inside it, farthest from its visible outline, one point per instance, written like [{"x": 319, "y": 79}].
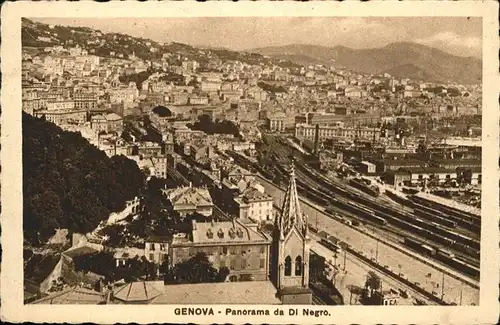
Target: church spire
[{"x": 291, "y": 215}]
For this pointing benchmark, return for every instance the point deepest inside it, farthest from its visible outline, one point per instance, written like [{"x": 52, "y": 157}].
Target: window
[
  {"x": 262, "y": 262},
  {"x": 262, "y": 249},
  {"x": 232, "y": 264},
  {"x": 222, "y": 263},
  {"x": 288, "y": 266},
  {"x": 151, "y": 257},
  {"x": 224, "y": 250},
  {"x": 298, "y": 265},
  {"x": 243, "y": 264}
]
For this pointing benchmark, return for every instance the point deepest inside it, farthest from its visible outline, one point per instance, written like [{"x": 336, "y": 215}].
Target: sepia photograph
[{"x": 313, "y": 161}]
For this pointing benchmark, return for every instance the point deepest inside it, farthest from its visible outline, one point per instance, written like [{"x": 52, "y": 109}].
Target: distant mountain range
[{"x": 402, "y": 59}]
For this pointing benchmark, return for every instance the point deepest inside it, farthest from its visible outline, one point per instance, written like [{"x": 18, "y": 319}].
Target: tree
[
  {"x": 317, "y": 268},
  {"x": 197, "y": 269},
  {"x": 68, "y": 183},
  {"x": 102, "y": 263},
  {"x": 162, "y": 111},
  {"x": 373, "y": 281}
]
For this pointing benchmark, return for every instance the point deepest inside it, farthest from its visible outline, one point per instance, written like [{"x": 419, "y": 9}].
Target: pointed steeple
[{"x": 291, "y": 215}]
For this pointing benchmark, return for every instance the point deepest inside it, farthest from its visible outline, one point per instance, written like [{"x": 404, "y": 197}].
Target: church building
[{"x": 290, "y": 250}]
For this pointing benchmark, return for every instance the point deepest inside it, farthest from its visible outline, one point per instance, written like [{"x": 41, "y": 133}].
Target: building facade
[
  {"x": 242, "y": 248},
  {"x": 308, "y": 131}
]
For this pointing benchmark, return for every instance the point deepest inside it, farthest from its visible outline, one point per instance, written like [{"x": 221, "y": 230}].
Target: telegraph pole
[
  {"x": 376, "y": 253},
  {"x": 442, "y": 287},
  {"x": 345, "y": 257}
]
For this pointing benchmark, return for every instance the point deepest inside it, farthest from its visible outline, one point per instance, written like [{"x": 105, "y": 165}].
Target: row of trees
[
  {"x": 197, "y": 269},
  {"x": 68, "y": 183}
]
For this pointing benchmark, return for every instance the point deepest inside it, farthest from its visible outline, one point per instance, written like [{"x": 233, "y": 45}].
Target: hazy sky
[{"x": 459, "y": 36}]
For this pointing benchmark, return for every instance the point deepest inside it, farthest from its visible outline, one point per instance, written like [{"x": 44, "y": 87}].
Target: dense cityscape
[{"x": 165, "y": 173}]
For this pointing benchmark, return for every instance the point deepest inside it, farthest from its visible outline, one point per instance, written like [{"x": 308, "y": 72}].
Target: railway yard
[{"x": 435, "y": 246}]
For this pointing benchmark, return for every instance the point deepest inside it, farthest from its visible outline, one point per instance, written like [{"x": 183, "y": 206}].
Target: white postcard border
[{"x": 12, "y": 308}]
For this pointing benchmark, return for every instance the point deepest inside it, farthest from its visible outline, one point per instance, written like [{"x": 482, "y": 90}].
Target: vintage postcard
[{"x": 250, "y": 163}]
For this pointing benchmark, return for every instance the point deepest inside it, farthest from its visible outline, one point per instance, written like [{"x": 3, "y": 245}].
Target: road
[{"x": 429, "y": 278}]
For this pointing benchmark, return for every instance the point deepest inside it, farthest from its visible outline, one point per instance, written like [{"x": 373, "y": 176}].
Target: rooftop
[
  {"x": 113, "y": 117},
  {"x": 135, "y": 292},
  {"x": 225, "y": 232},
  {"x": 189, "y": 195},
  {"x": 253, "y": 194},
  {"x": 248, "y": 293},
  {"x": 72, "y": 296}
]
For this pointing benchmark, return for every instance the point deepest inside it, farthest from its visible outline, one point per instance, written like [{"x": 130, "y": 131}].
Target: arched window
[
  {"x": 288, "y": 266},
  {"x": 298, "y": 265}
]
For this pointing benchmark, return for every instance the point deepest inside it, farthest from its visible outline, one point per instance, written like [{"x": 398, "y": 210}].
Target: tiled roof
[
  {"x": 252, "y": 194},
  {"x": 128, "y": 252},
  {"x": 139, "y": 291},
  {"x": 78, "y": 251},
  {"x": 225, "y": 232},
  {"x": 113, "y": 117},
  {"x": 73, "y": 296},
  {"x": 251, "y": 292},
  {"x": 189, "y": 195}
]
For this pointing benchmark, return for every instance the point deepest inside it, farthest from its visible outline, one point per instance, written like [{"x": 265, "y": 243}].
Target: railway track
[
  {"x": 402, "y": 225},
  {"x": 307, "y": 182},
  {"x": 388, "y": 230},
  {"x": 435, "y": 230},
  {"x": 324, "y": 191}
]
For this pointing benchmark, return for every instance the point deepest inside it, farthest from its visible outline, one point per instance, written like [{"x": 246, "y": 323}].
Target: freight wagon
[
  {"x": 399, "y": 199},
  {"x": 465, "y": 267},
  {"x": 331, "y": 245},
  {"x": 362, "y": 186},
  {"x": 419, "y": 246},
  {"x": 433, "y": 217}
]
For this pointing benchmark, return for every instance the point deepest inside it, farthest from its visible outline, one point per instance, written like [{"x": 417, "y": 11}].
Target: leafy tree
[
  {"x": 197, "y": 269},
  {"x": 208, "y": 126},
  {"x": 138, "y": 78},
  {"x": 102, "y": 263},
  {"x": 373, "y": 281},
  {"x": 271, "y": 88},
  {"x": 317, "y": 268},
  {"x": 68, "y": 183},
  {"x": 162, "y": 111},
  {"x": 163, "y": 269}
]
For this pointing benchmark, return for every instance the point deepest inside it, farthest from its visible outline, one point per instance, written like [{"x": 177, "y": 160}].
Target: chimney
[{"x": 316, "y": 140}]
